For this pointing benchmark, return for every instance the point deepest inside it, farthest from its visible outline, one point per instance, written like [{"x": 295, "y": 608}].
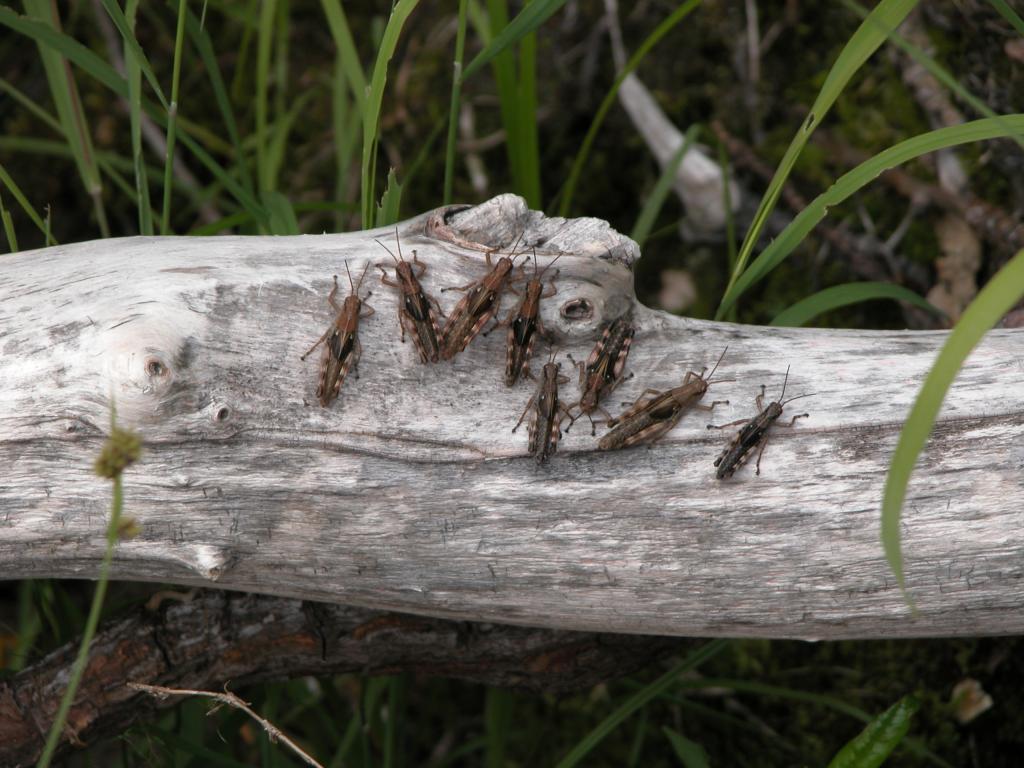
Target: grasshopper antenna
[
  {"x": 378, "y": 242},
  {"x": 545, "y": 268},
  {"x": 349, "y": 273},
  {"x": 783, "y": 402},
  {"x": 398, "y": 242},
  {"x": 717, "y": 364},
  {"x": 784, "y": 384},
  {"x": 359, "y": 284}
]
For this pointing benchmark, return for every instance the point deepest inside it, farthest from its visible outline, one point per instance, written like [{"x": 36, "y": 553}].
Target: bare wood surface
[
  {"x": 220, "y": 638},
  {"x": 410, "y": 493}
]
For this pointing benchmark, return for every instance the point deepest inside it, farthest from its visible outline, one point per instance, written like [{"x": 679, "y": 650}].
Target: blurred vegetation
[{"x": 277, "y": 108}]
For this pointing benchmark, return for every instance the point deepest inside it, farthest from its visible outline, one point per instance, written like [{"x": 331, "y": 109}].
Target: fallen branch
[
  {"x": 206, "y": 641},
  {"x": 410, "y": 493}
]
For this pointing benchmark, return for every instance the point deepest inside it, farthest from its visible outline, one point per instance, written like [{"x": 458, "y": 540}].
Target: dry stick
[{"x": 273, "y": 732}]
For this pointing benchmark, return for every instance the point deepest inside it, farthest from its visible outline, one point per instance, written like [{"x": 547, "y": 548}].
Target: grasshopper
[
  {"x": 548, "y": 413},
  {"x": 342, "y": 350},
  {"x": 477, "y": 307},
  {"x": 655, "y": 412},
  {"x": 524, "y": 324},
  {"x": 415, "y": 308},
  {"x": 754, "y": 433},
  {"x": 603, "y": 370}
]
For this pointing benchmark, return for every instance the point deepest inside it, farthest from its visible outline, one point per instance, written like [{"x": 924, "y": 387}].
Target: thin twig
[{"x": 273, "y": 732}]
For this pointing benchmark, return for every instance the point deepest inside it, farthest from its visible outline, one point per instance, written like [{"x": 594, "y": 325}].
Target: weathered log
[
  {"x": 410, "y": 493},
  {"x": 219, "y": 637}
]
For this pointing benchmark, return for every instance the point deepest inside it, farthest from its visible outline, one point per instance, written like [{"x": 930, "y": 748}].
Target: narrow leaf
[
  {"x": 374, "y": 101},
  {"x": 528, "y": 19},
  {"x": 875, "y": 743},
  {"x": 282, "y": 215},
  {"x": 639, "y": 699},
  {"x": 856, "y": 179},
  {"x": 652, "y": 205},
  {"x": 690, "y": 753},
  {"x": 991, "y": 303},
  {"x": 836, "y": 296},
  {"x": 390, "y": 202}
]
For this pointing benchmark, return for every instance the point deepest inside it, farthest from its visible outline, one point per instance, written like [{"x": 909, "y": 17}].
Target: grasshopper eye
[{"x": 577, "y": 309}]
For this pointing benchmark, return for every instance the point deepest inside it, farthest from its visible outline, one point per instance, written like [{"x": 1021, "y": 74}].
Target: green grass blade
[
  {"x": 346, "y": 122},
  {"x": 730, "y": 219},
  {"x": 172, "y": 120},
  {"x": 497, "y": 724},
  {"x": 991, "y": 303},
  {"x": 133, "y": 72},
  {"x": 453, "y": 109},
  {"x": 886, "y": 16},
  {"x": 264, "y": 37},
  {"x": 31, "y": 106},
  {"x": 852, "y": 181},
  {"x": 282, "y": 128},
  {"x": 26, "y": 206},
  {"x": 503, "y": 69},
  {"x": 30, "y": 623},
  {"x": 425, "y": 151},
  {"x": 652, "y": 205},
  {"x": 374, "y": 101},
  {"x": 398, "y": 696},
  {"x": 639, "y": 699},
  {"x": 282, "y": 219},
  {"x": 1009, "y": 14},
  {"x": 348, "y": 54},
  {"x": 836, "y": 296},
  {"x": 690, "y": 753},
  {"x": 390, "y": 202},
  {"x": 47, "y": 36},
  {"x": 8, "y": 224},
  {"x": 125, "y": 23},
  {"x": 204, "y": 47},
  {"x": 666, "y": 26},
  {"x": 527, "y": 170},
  {"x": 871, "y": 747},
  {"x": 70, "y": 112},
  {"x": 528, "y": 19}
]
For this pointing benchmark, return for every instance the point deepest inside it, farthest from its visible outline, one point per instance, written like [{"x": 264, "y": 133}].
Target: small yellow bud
[
  {"x": 128, "y": 528},
  {"x": 122, "y": 448}
]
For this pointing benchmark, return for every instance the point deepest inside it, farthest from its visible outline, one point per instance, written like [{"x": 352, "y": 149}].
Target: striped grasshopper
[
  {"x": 477, "y": 307},
  {"x": 548, "y": 413},
  {"x": 415, "y": 307},
  {"x": 656, "y": 412},
  {"x": 754, "y": 433},
  {"x": 342, "y": 350},
  {"x": 524, "y": 324},
  {"x": 604, "y": 369}
]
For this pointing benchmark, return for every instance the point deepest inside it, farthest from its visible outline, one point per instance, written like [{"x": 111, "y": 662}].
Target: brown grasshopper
[
  {"x": 754, "y": 433},
  {"x": 655, "y": 412},
  {"x": 602, "y": 372},
  {"x": 477, "y": 307},
  {"x": 342, "y": 350},
  {"x": 548, "y": 413},
  {"x": 415, "y": 308},
  {"x": 524, "y": 324}
]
